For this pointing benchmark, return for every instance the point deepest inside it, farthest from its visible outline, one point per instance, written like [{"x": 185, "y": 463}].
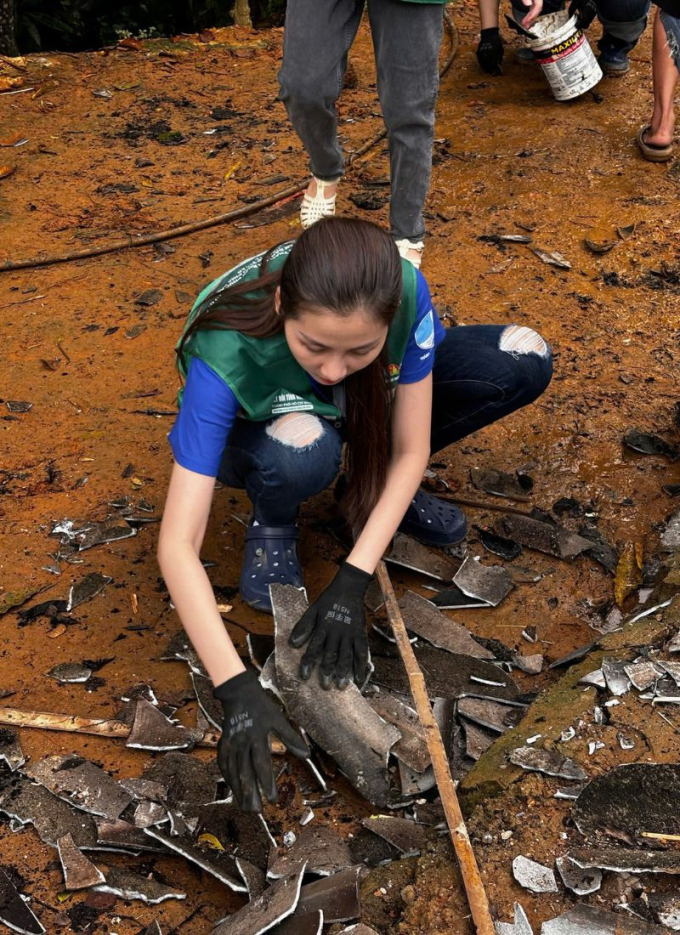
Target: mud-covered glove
[
  {"x": 585, "y": 11},
  {"x": 490, "y": 51},
  {"x": 243, "y": 753},
  {"x": 335, "y": 626}
]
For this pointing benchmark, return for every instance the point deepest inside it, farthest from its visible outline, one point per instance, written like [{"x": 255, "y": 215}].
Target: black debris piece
[
  {"x": 432, "y": 625},
  {"x": 574, "y": 656},
  {"x": 626, "y": 859},
  {"x": 260, "y": 648},
  {"x": 149, "y": 297},
  {"x": 490, "y": 714},
  {"x": 409, "y": 553},
  {"x": 14, "y": 912},
  {"x": 349, "y": 730},
  {"x": 80, "y": 783},
  {"x": 567, "y": 506},
  {"x": 336, "y": 896},
  {"x": 260, "y": 914},
  {"x": 10, "y": 748},
  {"x": 203, "y": 854},
  {"x": 488, "y": 583},
  {"x": 54, "y": 610},
  {"x": 501, "y": 484},
  {"x": 25, "y": 802},
  {"x": 406, "y": 835},
  {"x": 87, "y": 588},
  {"x": 16, "y": 405},
  {"x": 79, "y": 872},
  {"x": 128, "y": 885},
  {"x": 647, "y": 444},
  {"x": 152, "y": 730},
  {"x": 549, "y": 762},
  {"x": 320, "y": 848},
  {"x": 590, "y": 920},
  {"x": 601, "y": 550},
  {"x": 543, "y": 536},
  {"x": 454, "y": 599},
  {"x": 499, "y": 545}
]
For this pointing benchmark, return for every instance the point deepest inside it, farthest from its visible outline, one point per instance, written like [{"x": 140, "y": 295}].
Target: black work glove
[
  {"x": 243, "y": 753},
  {"x": 337, "y": 627},
  {"x": 490, "y": 51},
  {"x": 585, "y": 10}
]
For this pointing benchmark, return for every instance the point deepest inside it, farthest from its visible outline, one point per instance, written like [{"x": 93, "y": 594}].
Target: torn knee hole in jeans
[
  {"x": 296, "y": 430},
  {"x": 518, "y": 339}
]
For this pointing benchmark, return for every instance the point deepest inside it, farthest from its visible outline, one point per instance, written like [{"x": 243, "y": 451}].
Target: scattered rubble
[
  {"x": 549, "y": 762},
  {"x": 533, "y": 876},
  {"x": 14, "y": 912}
]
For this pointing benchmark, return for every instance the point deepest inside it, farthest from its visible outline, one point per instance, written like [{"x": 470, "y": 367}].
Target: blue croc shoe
[
  {"x": 433, "y": 521},
  {"x": 270, "y": 558},
  {"x": 614, "y": 62}
]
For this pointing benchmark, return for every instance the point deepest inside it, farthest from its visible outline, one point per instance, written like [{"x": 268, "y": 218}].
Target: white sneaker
[
  {"x": 411, "y": 250},
  {"x": 317, "y": 207}
]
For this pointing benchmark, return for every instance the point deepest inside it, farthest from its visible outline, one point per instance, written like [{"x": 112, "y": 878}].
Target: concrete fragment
[
  {"x": 271, "y": 907},
  {"x": 488, "y": 583},
  {"x": 14, "y": 912},
  {"x": 70, "y": 672},
  {"x": 533, "y": 876},
  {"x": 128, "y": 885},
  {"x": 79, "y": 872},
  {"x": 409, "y": 553},
  {"x": 432, "y": 625},
  {"x": 323, "y": 851},
  {"x": 336, "y": 896},
  {"x": 519, "y": 927},
  {"x": 343, "y": 723},
  {"x": 579, "y": 881},
  {"x": 152, "y": 730},
  {"x": 81, "y": 784},
  {"x": 589, "y": 920},
  {"x": 549, "y": 762}
]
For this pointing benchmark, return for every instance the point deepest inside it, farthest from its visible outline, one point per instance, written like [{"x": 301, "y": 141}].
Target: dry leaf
[
  {"x": 626, "y": 232},
  {"x": 133, "y": 45},
  {"x": 135, "y": 603},
  {"x": 13, "y": 140},
  {"x": 137, "y": 482},
  {"x": 628, "y": 572},
  {"x": 600, "y": 247},
  {"x": 5, "y": 171},
  {"x": 9, "y": 84},
  {"x": 58, "y": 631},
  {"x": 552, "y": 259},
  {"x": 211, "y": 841}
]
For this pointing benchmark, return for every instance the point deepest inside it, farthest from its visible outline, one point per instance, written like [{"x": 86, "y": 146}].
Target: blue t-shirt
[{"x": 209, "y": 406}]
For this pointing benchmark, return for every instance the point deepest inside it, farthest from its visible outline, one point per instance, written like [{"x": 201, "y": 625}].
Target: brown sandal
[{"x": 653, "y": 152}]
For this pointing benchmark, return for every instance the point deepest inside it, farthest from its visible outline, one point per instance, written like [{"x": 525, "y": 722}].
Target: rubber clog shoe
[
  {"x": 270, "y": 558},
  {"x": 434, "y": 521},
  {"x": 614, "y": 62}
]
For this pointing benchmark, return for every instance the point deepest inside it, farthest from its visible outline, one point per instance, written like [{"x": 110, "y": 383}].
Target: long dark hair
[{"x": 340, "y": 265}]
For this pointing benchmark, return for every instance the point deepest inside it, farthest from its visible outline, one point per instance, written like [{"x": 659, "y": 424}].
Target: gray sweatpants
[{"x": 406, "y": 39}]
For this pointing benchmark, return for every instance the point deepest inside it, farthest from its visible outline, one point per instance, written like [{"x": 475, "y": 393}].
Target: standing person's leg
[
  {"x": 317, "y": 37},
  {"x": 481, "y": 374},
  {"x": 658, "y": 136},
  {"x": 280, "y": 464},
  {"x": 623, "y": 22},
  {"x": 406, "y": 38}
]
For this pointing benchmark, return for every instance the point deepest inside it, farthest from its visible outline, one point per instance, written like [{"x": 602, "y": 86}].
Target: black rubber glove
[
  {"x": 337, "y": 626},
  {"x": 243, "y": 753},
  {"x": 490, "y": 51},
  {"x": 585, "y": 10}
]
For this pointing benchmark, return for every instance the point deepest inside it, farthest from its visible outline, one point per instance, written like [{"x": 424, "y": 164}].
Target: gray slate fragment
[
  {"x": 217, "y": 863},
  {"x": 642, "y": 674},
  {"x": 148, "y": 814},
  {"x": 128, "y": 885},
  {"x": 477, "y": 741},
  {"x": 79, "y": 872},
  {"x": 300, "y": 923},
  {"x": 412, "y": 748},
  {"x": 252, "y": 876},
  {"x": 343, "y": 723},
  {"x": 549, "y": 762},
  {"x": 273, "y": 906},
  {"x": 534, "y": 534},
  {"x": 494, "y": 715},
  {"x": 589, "y": 920},
  {"x": 320, "y": 848},
  {"x": 409, "y": 553},
  {"x": 626, "y": 859},
  {"x": 403, "y": 833},
  {"x": 358, "y": 929},
  {"x": 152, "y": 730},
  {"x": 120, "y": 835},
  {"x": 70, "y": 672},
  {"x": 595, "y": 678},
  {"x": 615, "y": 676},
  {"x": 672, "y": 669},
  {"x": 488, "y": 583},
  {"x": 209, "y": 705},
  {"x": 154, "y": 929},
  {"x": 533, "y": 876},
  {"x": 519, "y": 927},
  {"x": 13, "y": 910},
  {"x": 81, "y": 783},
  {"x": 87, "y": 588},
  {"x": 578, "y": 880},
  {"x": 337, "y": 896},
  {"x": 670, "y": 537},
  {"x": 423, "y": 619},
  {"x": 27, "y": 803},
  {"x": 10, "y": 748}
]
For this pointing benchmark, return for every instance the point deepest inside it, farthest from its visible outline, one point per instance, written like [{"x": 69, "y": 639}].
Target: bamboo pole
[
  {"x": 99, "y": 727},
  {"x": 472, "y": 881}
]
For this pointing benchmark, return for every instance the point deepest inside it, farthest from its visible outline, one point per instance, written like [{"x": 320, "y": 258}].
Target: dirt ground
[{"x": 139, "y": 140}]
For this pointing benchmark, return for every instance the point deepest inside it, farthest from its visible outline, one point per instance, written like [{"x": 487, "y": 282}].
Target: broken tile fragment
[
  {"x": 491, "y": 714},
  {"x": 79, "y": 872},
  {"x": 519, "y": 927},
  {"x": 128, "y": 885},
  {"x": 273, "y": 906},
  {"x": 120, "y": 835},
  {"x": 412, "y": 748},
  {"x": 218, "y": 863},
  {"x": 670, "y": 537},
  {"x": 179, "y": 647},
  {"x": 10, "y": 748},
  {"x": 488, "y": 583},
  {"x": 152, "y": 730},
  {"x": 615, "y": 676},
  {"x": 25, "y": 802},
  {"x": 432, "y": 625},
  {"x": 500, "y": 483},
  {"x": 477, "y": 741},
  {"x": 81, "y": 783},
  {"x": 343, "y": 724},
  {"x": 336, "y": 896},
  {"x": 409, "y": 553},
  {"x": 300, "y": 923},
  {"x": 533, "y": 876},
  {"x": 148, "y": 814},
  {"x": 589, "y": 920},
  {"x": 14, "y": 912},
  {"x": 454, "y": 599},
  {"x": 580, "y": 881},
  {"x": 626, "y": 859},
  {"x": 68, "y": 672},
  {"x": 87, "y": 588},
  {"x": 544, "y": 537},
  {"x": 403, "y": 833},
  {"x": 252, "y": 876},
  {"x": 209, "y": 705},
  {"x": 358, "y": 929},
  {"x": 320, "y": 848},
  {"x": 154, "y": 929},
  {"x": 630, "y": 799},
  {"x": 642, "y": 674},
  {"x": 549, "y": 762}
]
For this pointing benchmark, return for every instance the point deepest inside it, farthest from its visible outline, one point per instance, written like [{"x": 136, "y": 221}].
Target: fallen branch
[
  {"x": 480, "y": 505},
  {"x": 474, "y": 888},
  {"x": 100, "y": 727},
  {"x": 146, "y": 239}
]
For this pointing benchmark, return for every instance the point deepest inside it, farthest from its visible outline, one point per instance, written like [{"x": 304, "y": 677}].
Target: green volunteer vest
[{"x": 262, "y": 373}]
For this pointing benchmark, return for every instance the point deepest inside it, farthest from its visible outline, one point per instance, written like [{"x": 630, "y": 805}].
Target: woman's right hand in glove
[
  {"x": 243, "y": 752},
  {"x": 490, "y": 51}
]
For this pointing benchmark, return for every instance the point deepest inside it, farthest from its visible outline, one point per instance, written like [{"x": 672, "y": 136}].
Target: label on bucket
[{"x": 564, "y": 54}]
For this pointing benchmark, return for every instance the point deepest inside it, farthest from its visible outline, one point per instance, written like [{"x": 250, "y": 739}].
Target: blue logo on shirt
[{"x": 425, "y": 332}]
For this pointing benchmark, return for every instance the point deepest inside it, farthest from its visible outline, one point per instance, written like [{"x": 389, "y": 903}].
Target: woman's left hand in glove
[{"x": 335, "y": 626}]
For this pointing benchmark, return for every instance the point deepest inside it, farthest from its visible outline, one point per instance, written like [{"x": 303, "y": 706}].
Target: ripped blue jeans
[
  {"x": 481, "y": 374},
  {"x": 672, "y": 26}
]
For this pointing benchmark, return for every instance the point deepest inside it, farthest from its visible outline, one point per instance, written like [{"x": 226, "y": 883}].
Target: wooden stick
[
  {"x": 480, "y": 505},
  {"x": 659, "y": 837},
  {"x": 474, "y": 888},
  {"x": 100, "y": 727}
]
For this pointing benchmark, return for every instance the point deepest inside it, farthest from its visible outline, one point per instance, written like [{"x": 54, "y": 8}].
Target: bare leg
[{"x": 665, "y": 78}]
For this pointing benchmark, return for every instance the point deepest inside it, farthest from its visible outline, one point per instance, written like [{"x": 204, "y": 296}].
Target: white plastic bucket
[{"x": 563, "y": 52}]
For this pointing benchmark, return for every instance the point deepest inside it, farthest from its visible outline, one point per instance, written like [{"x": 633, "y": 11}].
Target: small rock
[{"x": 408, "y": 894}]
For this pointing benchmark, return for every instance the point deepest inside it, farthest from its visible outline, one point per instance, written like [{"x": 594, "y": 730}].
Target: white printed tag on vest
[{"x": 289, "y": 402}]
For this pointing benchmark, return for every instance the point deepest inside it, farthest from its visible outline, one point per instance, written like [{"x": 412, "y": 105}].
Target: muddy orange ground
[{"x": 142, "y": 158}]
